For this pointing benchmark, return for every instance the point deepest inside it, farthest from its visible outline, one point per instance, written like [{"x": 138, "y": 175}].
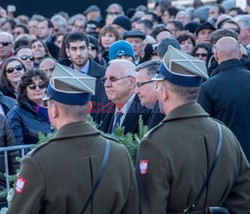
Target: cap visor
[
  {"x": 158, "y": 77},
  {"x": 46, "y": 97}
]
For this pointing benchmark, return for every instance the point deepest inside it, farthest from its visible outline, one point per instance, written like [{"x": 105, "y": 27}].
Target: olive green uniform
[
  {"x": 175, "y": 157},
  {"x": 58, "y": 176}
]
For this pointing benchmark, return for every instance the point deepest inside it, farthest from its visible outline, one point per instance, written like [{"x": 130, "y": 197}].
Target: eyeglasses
[
  {"x": 5, "y": 43},
  {"x": 202, "y": 55},
  {"x": 25, "y": 57},
  {"x": 113, "y": 13},
  {"x": 40, "y": 85},
  {"x": 140, "y": 84},
  {"x": 11, "y": 69},
  {"x": 114, "y": 79}
]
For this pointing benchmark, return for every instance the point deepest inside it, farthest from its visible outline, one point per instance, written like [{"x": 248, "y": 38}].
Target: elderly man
[
  {"x": 145, "y": 90},
  {"x": 125, "y": 108},
  {"x": 48, "y": 65},
  {"x": 59, "y": 176},
  {"x": 6, "y": 46},
  {"x": 113, "y": 11},
  {"x": 226, "y": 95},
  {"x": 244, "y": 37},
  {"x": 176, "y": 158},
  {"x": 137, "y": 40}
]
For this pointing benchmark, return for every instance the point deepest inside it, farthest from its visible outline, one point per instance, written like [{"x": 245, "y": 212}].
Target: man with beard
[{"x": 77, "y": 48}]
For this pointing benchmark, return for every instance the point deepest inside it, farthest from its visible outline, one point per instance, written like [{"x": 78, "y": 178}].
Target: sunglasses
[
  {"x": 114, "y": 79},
  {"x": 11, "y": 69},
  {"x": 5, "y": 43},
  {"x": 25, "y": 57},
  {"x": 202, "y": 55},
  {"x": 40, "y": 85},
  {"x": 93, "y": 48}
]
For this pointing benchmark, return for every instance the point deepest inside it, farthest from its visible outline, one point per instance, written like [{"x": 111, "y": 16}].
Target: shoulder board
[
  {"x": 109, "y": 137},
  {"x": 37, "y": 147},
  {"x": 151, "y": 131}
]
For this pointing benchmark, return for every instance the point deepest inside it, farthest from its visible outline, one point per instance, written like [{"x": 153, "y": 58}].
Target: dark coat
[
  {"x": 155, "y": 117},
  {"x": 7, "y": 103},
  {"x": 226, "y": 97},
  {"x": 10, "y": 93},
  {"x": 60, "y": 174},
  {"x": 7, "y": 138},
  {"x": 100, "y": 98},
  {"x": 131, "y": 120},
  {"x": 174, "y": 159},
  {"x": 26, "y": 123}
]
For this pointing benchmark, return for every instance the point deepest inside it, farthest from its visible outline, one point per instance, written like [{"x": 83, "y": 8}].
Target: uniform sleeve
[
  {"x": 16, "y": 126},
  {"x": 205, "y": 102},
  {"x": 238, "y": 200},
  {"x": 29, "y": 189},
  {"x": 132, "y": 204},
  {"x": 153, "y": 177}
]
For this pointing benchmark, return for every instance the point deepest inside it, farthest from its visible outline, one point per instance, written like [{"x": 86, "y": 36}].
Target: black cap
[
  {"x": 134, "y": 33},
  {"x": 123, "y": 21},
  {"x": 203, "y": 26}
]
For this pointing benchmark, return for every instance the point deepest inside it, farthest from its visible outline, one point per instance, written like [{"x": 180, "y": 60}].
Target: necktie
[{"x": 117, "y": 121}]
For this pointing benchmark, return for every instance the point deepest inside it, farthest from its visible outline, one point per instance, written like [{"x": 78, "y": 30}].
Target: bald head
[
  {"x": 227, "y": 48},
  {"x": 123, "y": 66}
]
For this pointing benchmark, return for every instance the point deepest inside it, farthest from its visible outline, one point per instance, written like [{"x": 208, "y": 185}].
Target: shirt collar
[
  {"x": 125, "y": 108},
  {"x": 85, "y": 68}
]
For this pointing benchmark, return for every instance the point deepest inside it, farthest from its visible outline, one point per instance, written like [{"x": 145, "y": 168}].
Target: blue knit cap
[{"x": 120, "y": 48}]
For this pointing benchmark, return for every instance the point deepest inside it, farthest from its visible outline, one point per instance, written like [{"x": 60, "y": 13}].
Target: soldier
[
  {"x": 58, "y": 176},
  {"x": 176, "y": 156}
]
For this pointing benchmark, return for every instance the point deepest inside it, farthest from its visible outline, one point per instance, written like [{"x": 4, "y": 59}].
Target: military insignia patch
[
  {"x": 20, "y": 184},
  {"x": 143, "y": 167}
]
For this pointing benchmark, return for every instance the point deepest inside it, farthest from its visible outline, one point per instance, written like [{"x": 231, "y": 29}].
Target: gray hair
[
  {"x": 152, "y": 67},
  {"x": 128, "y": 67},
  {"x": 77, "y": 17},
  {"x": 244, "y": 20},
  {"x": 59, "y": 19},
  {"x": 10, "y": 37}
]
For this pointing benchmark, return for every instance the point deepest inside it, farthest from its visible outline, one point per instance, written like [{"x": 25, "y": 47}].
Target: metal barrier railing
[{"x": 5, "y": 150}]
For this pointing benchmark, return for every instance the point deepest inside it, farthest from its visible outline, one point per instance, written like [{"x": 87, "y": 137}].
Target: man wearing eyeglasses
[
  {"x": 6, "y": 46},
  {"x": 113, "y": 11},
  {"x": 25, "y": 54},
  {"x": 145, "y": 90},
  {"x": 125, "y": 107}
]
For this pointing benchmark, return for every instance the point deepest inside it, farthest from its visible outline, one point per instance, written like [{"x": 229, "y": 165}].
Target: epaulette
[
  {"x": 109, "y": 136},
  {"x": 37, "y": 147},
  {"x": 151, "y": 131}
]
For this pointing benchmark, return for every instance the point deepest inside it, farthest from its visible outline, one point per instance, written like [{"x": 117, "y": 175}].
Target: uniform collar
[
  {"x": 186, "y": 111},
  {"x": 75, "y": 130}
]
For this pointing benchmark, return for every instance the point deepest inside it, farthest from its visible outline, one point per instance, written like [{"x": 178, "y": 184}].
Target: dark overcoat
[
  {"x": 58, "y": 176},
  {"x": 175, "y": 157}
]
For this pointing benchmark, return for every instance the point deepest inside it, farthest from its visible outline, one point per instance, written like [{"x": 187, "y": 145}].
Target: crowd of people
[{"x": 183, "y": 70}]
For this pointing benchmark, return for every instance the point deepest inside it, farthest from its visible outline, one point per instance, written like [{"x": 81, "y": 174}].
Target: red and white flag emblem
[
  {"x": 143, "y": 167},
  {"x": 20, "y": 184}
]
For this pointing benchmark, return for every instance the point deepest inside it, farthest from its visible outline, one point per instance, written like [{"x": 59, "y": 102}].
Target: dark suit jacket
[
  {"x": 100, "y": 99},
  {"x": 155, "y": 117},
  {"x": 131, "y": 120}
]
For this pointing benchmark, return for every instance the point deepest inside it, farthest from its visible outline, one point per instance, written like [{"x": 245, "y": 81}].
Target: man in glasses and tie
[
  {"x": 125, "y": 107},
  {"x": 6, "y": 46}
]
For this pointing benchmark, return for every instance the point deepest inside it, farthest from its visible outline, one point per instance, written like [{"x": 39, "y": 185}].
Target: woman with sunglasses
[
  {"x": 11, "y": 72},
  {"x": 25, "y": 54},
  {"x": 30, "y": 116},
  {"x": 40, "y": 51}
]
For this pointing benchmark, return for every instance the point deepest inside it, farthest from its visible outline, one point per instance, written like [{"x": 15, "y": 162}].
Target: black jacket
[
  {"x": 26, "y": 123},
  {"x": 226, "y": 97},
  {"x": 155, "y": 117},
  {"x": 7, "y": 138},
  {"x": 7, "y": 103},
  {"x": 100, "y": 98},
  {"x": 131, "y": 120}
]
